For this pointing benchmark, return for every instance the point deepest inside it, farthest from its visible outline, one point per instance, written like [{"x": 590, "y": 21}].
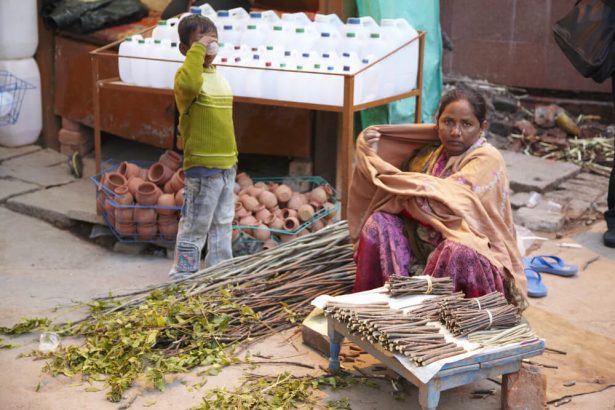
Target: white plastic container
[
  {"x": 328, "y": 23},
  {"x": 208, "y": 11},
  {"x": 223, "y": 17},
  {"x": 403, "y": 65},
  {"x": 127, "y": 49},
  {"x": 368, "y": 82},
  {"x": 172, "y": 53},
  {"x": 253, "y": 36},
  {"x": 139, "y": 67},
  {"x": 163, "y": 31},
  {"x": 375, "y": 45},
  {"x": 278, "y": 36},
  {"x": 328, "y": 41},
  {"x": 229, "y": 34},
  {"x": 253, "y": 85},
  {"x": 172, "y": 27},
  {"x": 240, "y": 16},
  {"x": 18, "y": 29},
  {"x": 24, "y": 128},
  {"x": 303, "y": 38}
]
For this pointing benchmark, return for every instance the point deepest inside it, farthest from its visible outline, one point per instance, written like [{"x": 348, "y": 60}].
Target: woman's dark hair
[
  {"x": 476, "y": 100},
  {"x": 192, "y": 23}
]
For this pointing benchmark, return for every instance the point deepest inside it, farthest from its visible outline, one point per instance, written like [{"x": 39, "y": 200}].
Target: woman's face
[{"x": 458, "y": 127}]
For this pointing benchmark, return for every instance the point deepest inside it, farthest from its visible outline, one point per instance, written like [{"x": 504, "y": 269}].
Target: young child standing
[{"x": 205, "y": 104}]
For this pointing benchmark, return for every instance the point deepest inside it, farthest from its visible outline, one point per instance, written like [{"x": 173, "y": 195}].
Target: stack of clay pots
[
  {"x": 145, "y": 203},
  {"x": 276, "y": 212}
]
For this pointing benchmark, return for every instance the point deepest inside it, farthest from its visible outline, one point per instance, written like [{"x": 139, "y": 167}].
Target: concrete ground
[{"x": 42, "y": 266}]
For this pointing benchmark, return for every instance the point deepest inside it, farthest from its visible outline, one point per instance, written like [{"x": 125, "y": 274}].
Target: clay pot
[
  {"x": 248, "y": 221},
  {"x": 171, "y": 160},
  {"x": 100, "y": 203},
  {"x": 240, "y": 211},
  {"x": 243, "y": 180},
  {"x": 318, "y": 195},
  {"x": 283, "y": 193},
  {"x": 168, "y": 219},
  {"x": 254, "y": 191},
  {"x": 115, "y": 180},
  {"x": 328, "y": 207},
  {"x": 317, "y": 226},
  {"x": 288, "y": 213},
  {"x": 303, "y": 233},
  {"x": 270, "y": 244},
  {"x": 148, "y": 193},
  {"x": 262, "y": 213},
  {"x": 168, "y": 225},
  {"x": 123, "y": 196},
  {"x": 278, "y": 212},
  {"x": 129, "y": 170},
  {"x": 159, "y": 174},
  {"x": 177, "y": 180},
  {"x": 305, "y": 212},
  {"x": 123, "y": 214},
  {"x": 292, "y": 223},
  {"x": 328, "y": 190},
  {"x": 133, "y": 184},
  {"x": 145, "y": 216},
  {"x": 125, "y": 228},
  {"x": 262, "y": 234},
  {"x": 268, "y": 199},
  {"x": 274, "y": 222},
  {"x": 296, "y": 200},
  {"x": 236, "y": 188},
  {"x": 147, "y": 232},
  {"x": 168, "y": 189},
  {"x": 317, "y": 207},
  {"x": 179, "y": 198},
  {"x": 166, "y": 200},
  {"x": 286, "y": 238},
  {"x": 109, "y": 209},
  {"x": 272, "y": 186},
  {"x": 249, "y": 202}
]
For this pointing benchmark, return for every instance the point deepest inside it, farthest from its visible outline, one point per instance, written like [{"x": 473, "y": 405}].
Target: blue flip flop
[
  {"x": 535, "y": 287},
  {"x": 550, "y": 264}
]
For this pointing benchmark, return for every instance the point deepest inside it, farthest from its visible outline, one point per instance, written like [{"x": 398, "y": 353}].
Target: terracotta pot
[
  {"x": 124, "y": 215},
  {"x": 318, "y": 195},
  {"x": 317, "y": 226},
  {"x": 272, "y": 186},
  {"x": 292, "y": 223},
  {"x": 270, "y": 244},
  {"x": 123, "y": 196},
  {"x": 166, "y": 200},
  {"x": 146, "y": 216},
  {"x": 303, "y": 233},
  {"x": 115, "y": 180},
  {"x": 249, "y": 202},
  {"x": 243, "y": 180},
  {"x": 109, "y": 208},
  {"x": 159, "y": 174},
  {"x": 133, "y": 184},
  {"x": 177, "y": 180},
  {"x": 147, "y": 232},
  {"x": 254, "y": 191},
  {"x": 179, "y": 198},
  {"x": 289, "y": 213},
  {"x": 328, "y": 190},
  {"x": 171, "y": 160},
  {"x": 248, "y": 221},
  {"x": 296, "y": 200},
  {"x": 283, "y": 193},
  {"x": 240, "y": 211},
  {"x": 236, "y": 188},
  {"x": 168, "y": 219},
  {"x": 129, "y": 170},
  {"x": 148, "y": 193},
  {"x": 143, "y": 174},
  {"x": 168, "y": 227},
  {"x": 125, "y": 228},
  {"x": 328, "y": 206},
  {"x": 305, "y": 212},
  {"x": 268, "y": 199},
  {"x": 262, "y": 213},
  {"x": 100, "y": 202},
  {"x": 168, "y": 189},
  {"x": 262, "y": 234},
  {"x": 286, "y": 238},
  {"x": 317, "y": 207},
  {"x": 275, "y": 223},
  {"x": 279, "y": 213}
]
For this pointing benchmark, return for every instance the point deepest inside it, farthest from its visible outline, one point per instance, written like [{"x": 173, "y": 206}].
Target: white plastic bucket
[{"x": 18, "y": 29}]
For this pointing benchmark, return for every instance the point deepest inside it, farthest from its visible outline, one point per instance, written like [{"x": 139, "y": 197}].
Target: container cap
[
  {"x": 156, "y": 41},
  {"x": 269, "y": 48},
  {"x": 300, "y": 30},
  {"x": 365, "y": 61},
  {"x": 237, "y": 59},
  {"x": 326, "y": 55},
  {"x": 195, "y": 10},
  {"x": 224, "y": 59},
  {"x": 305, "y": 55},
  {"x": 346, "y": 54},
  {"x": 162, "y": 23},
  {"x": 351, "y": 34},
  {"x": 128, "y": 39},
  {"x": 317, "y": 66},
  {"x": 277, "y": 28},
  {"x": 229, "y": 27},
  {"x": 251, "y": 27},
  {"x": 287, "y": 54},
  {"x": 237, "y": 47},
  {"x": 375, "y": 35},
  {"x": 268, "y": 64},
  {"x": 299, "y": 67},
  {"x": 223, "y": 13},
  {"x": 325, "y": 34},
  {"x": 354, "y": 20},
  {"x": 174, "y": 44},
  {"x": 330, "y": 68},
  {"x": 256, "y": 15},
  {"x": 254, "y": 48},
  {"x": 282, "y": 65},
  {"x": 346, "y": 68},
  {"x": 256, "y": 57},
  {"x": 142, "y": 41}
]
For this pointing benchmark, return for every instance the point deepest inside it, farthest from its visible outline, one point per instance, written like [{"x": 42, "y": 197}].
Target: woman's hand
[{"x": 372, "y": 137}]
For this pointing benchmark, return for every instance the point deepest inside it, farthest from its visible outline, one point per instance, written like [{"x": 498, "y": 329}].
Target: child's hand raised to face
[{"x": 207, "y": 39}]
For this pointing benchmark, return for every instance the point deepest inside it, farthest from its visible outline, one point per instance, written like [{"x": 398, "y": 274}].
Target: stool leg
[
  {"x": 335, "y": 344},
  {"x": 429, "y": 396}
]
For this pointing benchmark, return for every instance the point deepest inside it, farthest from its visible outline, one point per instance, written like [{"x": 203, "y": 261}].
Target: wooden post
[
  {"x": 345, "y": 146},
  {"x": 418, "y": 108},
  {"x": 96, "y": 107}
]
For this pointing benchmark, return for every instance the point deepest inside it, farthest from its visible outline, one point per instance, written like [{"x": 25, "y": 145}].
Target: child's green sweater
[{"x": 205, "y": 103}]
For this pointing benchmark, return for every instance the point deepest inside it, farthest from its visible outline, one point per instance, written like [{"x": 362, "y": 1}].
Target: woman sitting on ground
[{"x": 445, "y": 213}]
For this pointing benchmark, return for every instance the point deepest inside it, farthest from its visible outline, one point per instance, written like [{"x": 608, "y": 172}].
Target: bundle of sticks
[
  {"x": 464, "y": 316},
  {"x": 397, "y": 332},
  {"x": 430, "y": 308},
  {"x": 419, "y": 285},
  {"x": 518, "y": 334}
]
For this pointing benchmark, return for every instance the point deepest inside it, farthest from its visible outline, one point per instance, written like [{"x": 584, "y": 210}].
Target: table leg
[
  {"x": 335, "y": 344},
  {"x": 429, "y": 396}
]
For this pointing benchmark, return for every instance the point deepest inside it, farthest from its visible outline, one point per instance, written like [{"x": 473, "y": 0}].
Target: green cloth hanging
[{"x": 423, "y": 15}]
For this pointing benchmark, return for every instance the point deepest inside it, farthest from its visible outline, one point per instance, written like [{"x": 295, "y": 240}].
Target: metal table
[{"x": 451, "y": 375}]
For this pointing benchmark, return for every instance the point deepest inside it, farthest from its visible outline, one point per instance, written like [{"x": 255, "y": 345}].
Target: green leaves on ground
[{"x": 26, "y": 326}]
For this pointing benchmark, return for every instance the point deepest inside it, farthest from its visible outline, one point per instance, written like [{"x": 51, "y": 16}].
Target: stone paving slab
[
  {"x": 46, "y": 167},
  {"x": 60, "y": 205},
  {"x": 527, "y": 173},
  {"x": 540, "y": 219},
  {"x": 12, "y": 187},
  {"x": 7, "y": 153}
]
